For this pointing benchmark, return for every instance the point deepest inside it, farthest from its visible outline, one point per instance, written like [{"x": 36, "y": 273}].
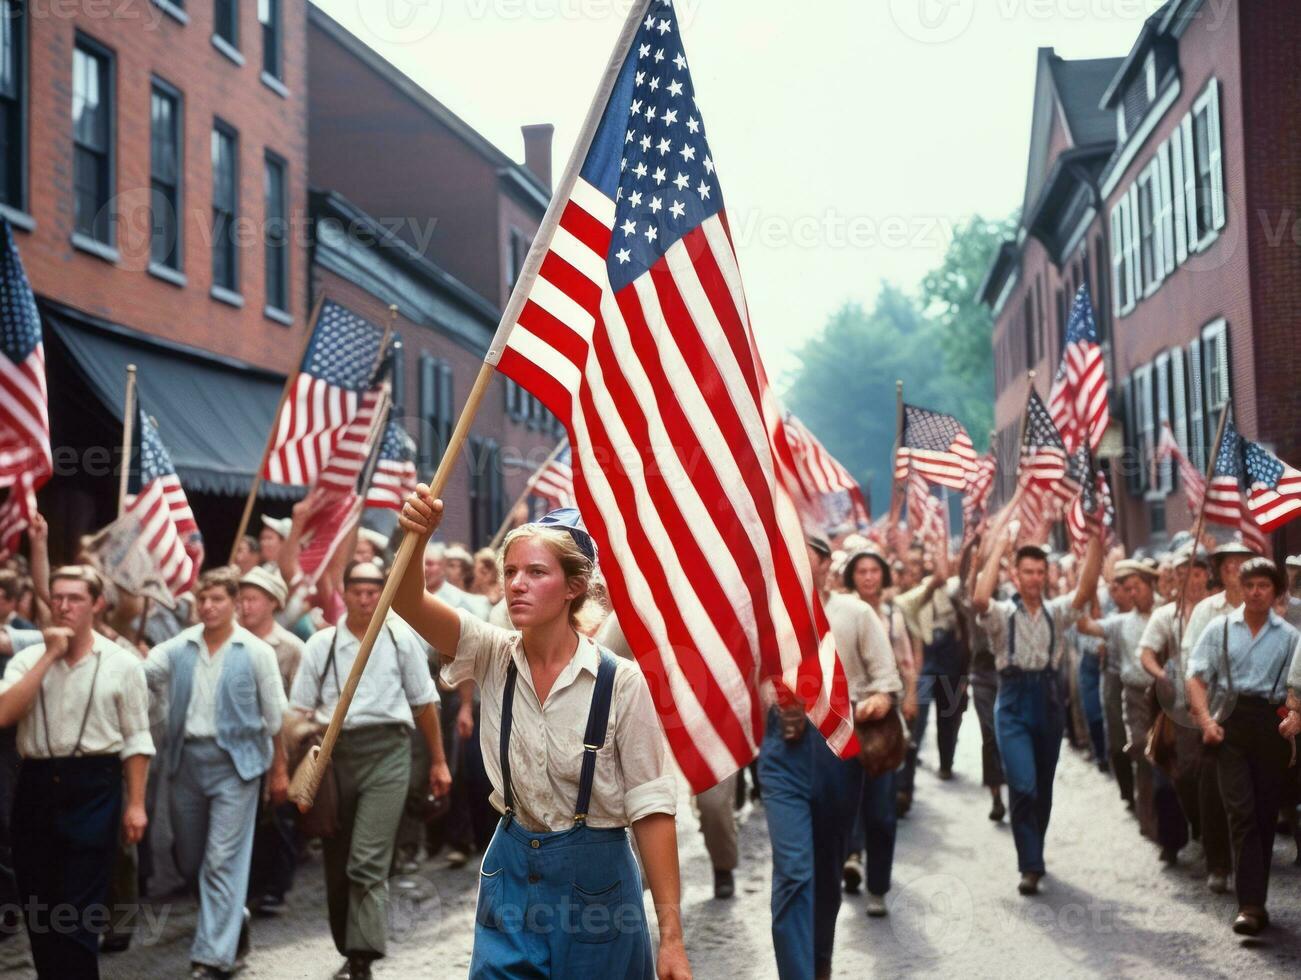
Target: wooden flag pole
[
  {"x": 128, "y": 433},
  {"x": 308, "y": 779},
  {"x": 271, "y": 435},
  {"x": 1201, "y": 511},
  {"x": 505, "y": 524}
]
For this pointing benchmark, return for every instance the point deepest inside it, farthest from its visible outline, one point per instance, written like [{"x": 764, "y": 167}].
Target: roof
[
  {"x": 423, "y": 99},
  {"x": 1152, "y": 27},
  {"x": 1079, "y": 85}
]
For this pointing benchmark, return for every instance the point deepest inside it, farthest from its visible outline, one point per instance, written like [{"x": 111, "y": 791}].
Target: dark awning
[{"x": 213, "y": 413}]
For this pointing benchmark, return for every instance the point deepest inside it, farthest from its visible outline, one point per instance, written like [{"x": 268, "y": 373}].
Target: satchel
[
  {"x": 303, "y": 737},
  {"x": 1160, "y": 749},
  {"x": 882, "y": 743}
]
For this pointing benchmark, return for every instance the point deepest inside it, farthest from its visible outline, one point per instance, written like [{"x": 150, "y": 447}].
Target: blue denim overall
[{"x": 567, "y": 903}]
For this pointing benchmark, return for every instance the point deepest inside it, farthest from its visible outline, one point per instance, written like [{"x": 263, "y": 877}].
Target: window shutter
[
  {"x": 1144, "y": 399},
  {"x": 1196, "y": 407},
  {"x": 1179, "y": 398},
  {"x": 1222, "y": 366},
  {"x": 1133, "y": 470},
  {"x": 1165, "y": 214},
  {"x": 427, "y": 408},
  {"x": 1217, "y": 171},
  {"x": 1161, "y": 380},
  {"x": 445, "y": 408},
  {"x": 1178, "y": 197},
  {"x": 1135, "y": 247},
  {"x": 1190, "y": 184},
  {"x": 1117, "y": 260},
  {"x": 495, "y": 503}
]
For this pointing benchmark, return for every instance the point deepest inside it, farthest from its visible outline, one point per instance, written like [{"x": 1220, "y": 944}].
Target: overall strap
[
  {"x": 597, "y": 720},
  {"x": 85, "y": 716},
  {"x": 1011, "y": 632},
  {"x": 507, "y": 707}
]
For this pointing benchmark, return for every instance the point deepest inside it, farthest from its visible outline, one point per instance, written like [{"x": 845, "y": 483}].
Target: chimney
[{"x": 537, "y": 151}]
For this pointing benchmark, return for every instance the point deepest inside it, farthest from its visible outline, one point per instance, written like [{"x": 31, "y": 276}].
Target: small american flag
[
  {"x": 633, "y": 329},
  {"x": 337, "y": 369},
  {"x": 829, "y": 493},
  {"x": 1225, "y": 505},
  {"x": 24, "y": 404},
  {"x": 1078, "y": 400},
  {"x": 975, "y": 502},
  {"x": 340, "y": 492},
  {"x": 16, "y": 513},
  {"x": 1273, "y": 487},
  {"x": 1092, "y": 511},
  {"x": 928, "y": 517},
  {"x": 553, "y": 483},
  {"x": 395, "y": 471},
  {"x": 157, "y": 501},
  {"x": 936, "y": 446},
  {"x": 1043, "y": 454}
]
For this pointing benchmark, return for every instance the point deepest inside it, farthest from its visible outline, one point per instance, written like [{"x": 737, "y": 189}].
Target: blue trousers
[
  {"x": 948, "y": 692},
  {"x": 810, "y": 797},
  {"x": 875, "y": 828},
  {"x": 561, "y": 904},
  {"x": 1029, "y": 719},
  {"x": 214, "y": 814},
  {"x": 1090, "y": 679}
]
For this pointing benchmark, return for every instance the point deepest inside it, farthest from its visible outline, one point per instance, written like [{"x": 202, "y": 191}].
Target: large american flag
[
  {"x": 338, "y": 497},
  {"x": 156, "y": 499},
  {"x": 1078, "y": 399},
  {"x": 16, "y": 513},
  {"x": 830, "y": 494},
  {"x": 1244, "y": 469},
  {"x": 337, "y": 369},
  {"x": 395, "y": 470},
  {"x": 632, "y": 328},
  {"x": 553, "y": 483},
  {"x": 937, "y": 447},
  {"x": 1225, "y": 505},
  {"x": 24, "y": 404},
  {"x": 1092, "y": 510}
]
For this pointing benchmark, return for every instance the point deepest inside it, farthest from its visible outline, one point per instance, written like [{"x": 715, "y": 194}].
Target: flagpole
[
  {"x": 1201, "y": 511},
  {"x": 128, "y": 432},
  {"x": 290, "y": 380},
  {"x": 895, "y": 503},
  {"x": 505, "y": 524},
  {"x": 304, "y": 792}
]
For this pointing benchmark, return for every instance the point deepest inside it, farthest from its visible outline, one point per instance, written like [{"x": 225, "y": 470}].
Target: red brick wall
[{"x": 146, "y": 42}]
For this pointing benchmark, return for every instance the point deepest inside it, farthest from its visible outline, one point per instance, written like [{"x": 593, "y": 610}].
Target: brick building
[
  {"x": 1191, "y": 243},
  {"x": 154, "y": 173},
  {"x": 443, "y": 240}
]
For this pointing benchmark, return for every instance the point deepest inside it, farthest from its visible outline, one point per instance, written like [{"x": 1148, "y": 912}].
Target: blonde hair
[{"x": 577, "y": 567}]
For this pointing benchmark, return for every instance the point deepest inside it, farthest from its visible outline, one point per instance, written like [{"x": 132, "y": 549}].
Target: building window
[
  {"x": 1163, "y": 472},
  {"x": 225, "y": 207},
  {"x": 1203, "y": 173},
  {"x": 1101, "y": 303},
  {"x": 225, "y": 22},
  {"x": 92, "y": 134},
  {"x": 13, "y": 128},
  {"x": 1149, "y": 76},
  {"x": 1216, "y": 383},
  {"x": 268, "y": 15},
  {"x": 1196, "y": 407},
  {"x": 1147, "y": 272},
  {"x": 1144, "y": 424},
  {"x": 485, "y": 490},
  {"x": 165, "y": 176},
  {"x": 1122, "y": 256},
  {"x": 518, "y": 250},
  {"x": 276, "y": 234}
]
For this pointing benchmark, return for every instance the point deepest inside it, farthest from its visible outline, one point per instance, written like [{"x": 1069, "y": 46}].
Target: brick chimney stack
[{"x": 537, "y": 151}]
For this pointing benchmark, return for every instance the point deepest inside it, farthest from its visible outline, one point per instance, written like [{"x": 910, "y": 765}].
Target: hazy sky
[{"x": 850, "y": 135}]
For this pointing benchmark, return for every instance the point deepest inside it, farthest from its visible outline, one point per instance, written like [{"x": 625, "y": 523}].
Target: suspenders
[
  {"x": 598, "y": 718},
  {"x": 1011, "y": 634}
]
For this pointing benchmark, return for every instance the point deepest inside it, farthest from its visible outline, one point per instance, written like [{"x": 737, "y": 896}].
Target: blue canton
[
  {"x": 343, "y": 349},
  {"x": 1229, "y": 461},
  {"x": 1262, "y": 466},
  {"x": 397, "y": 444},
  {"x": 153, "y": 460},
  {"x": 20, "y": 323},
  {"x": 650, "y": 152}
]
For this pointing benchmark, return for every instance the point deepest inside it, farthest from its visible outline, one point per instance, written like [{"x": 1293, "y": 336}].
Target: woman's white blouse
[{"x": 633, "y": 778}]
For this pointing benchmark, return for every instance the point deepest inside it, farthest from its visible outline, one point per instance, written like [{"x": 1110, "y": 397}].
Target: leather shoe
[
  {"x": 1029, "y": 884},
  {"x": 724, "y": 884},
  {"x": 354, "y": 968},
  {"x": 1249, "y": 922},
  {"x": 998, "y": 811}
]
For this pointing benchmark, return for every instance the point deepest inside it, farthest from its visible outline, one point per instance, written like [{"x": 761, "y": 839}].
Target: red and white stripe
[
  {"x": 681, "y": 472},
  {"x": 819, "y": 474},
  {"x": 308, "y": 430},
  {"x": 16, "y": 513},
  {"x": 356, "y": 442},
  {"x": 324, "y": 531},
  {"x": 952, "y": 469},
  {"x": 975, "y": 501},
  {"x": 1272, "y": 507},
  {"x": 24, "y": 419},
  {"x": 1224, "y": 504},
  {"x": 554, "y": 483},
  {"x": 156, "y": 508},
  {"x": 1078, "y": 400},
  {"x": 393, "y": 482}
]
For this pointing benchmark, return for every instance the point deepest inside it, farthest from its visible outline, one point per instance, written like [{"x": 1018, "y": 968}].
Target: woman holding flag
[{"x": 559, "y": 890}]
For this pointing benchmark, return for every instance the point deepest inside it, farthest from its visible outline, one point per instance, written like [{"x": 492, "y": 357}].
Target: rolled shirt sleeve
[
  {"x": 648, "y": 784},
  {"x": 480, "y": 642},
  {"x": 14, "y": 671},
  {"x": 133, "y": 712}
]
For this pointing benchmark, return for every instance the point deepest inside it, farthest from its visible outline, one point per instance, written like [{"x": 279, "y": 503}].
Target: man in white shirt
[
  {"x": 226, "y": 703},
  {"x": 372, "y": 758},
  {"x": 82, "y": 710}
]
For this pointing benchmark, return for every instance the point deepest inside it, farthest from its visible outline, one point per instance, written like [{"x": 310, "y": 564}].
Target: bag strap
[
  {"x": 330, "y": 665},
  {"x": 1228, "y": 666},
  {"x": 598, "y": 718}
]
